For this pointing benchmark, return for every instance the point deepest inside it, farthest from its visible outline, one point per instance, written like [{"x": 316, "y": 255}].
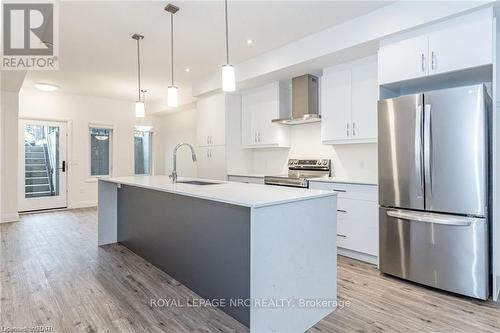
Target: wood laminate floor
[{"x": 52, "y": 273}]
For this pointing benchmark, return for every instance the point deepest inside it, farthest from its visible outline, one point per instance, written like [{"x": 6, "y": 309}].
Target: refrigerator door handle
[
  {"x": 432, "y": 218},
  {"x": 419, "y": 151},
  {"x": 427, "y": 154}
]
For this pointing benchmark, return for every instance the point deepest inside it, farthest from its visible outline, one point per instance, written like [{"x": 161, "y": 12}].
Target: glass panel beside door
[{"x": 42, "y": 159}]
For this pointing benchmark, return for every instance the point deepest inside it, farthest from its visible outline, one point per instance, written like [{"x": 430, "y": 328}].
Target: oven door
[{"x": 286, "y": 181}]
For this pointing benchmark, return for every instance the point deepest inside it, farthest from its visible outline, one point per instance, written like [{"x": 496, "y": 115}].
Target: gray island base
[{"x": 265, "y": 254}]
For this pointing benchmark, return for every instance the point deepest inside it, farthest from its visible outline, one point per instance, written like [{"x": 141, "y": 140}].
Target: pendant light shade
[
  {"x": 172, "y": 91},
  {"x": 228, "y": 78},
  {"x": 228, "y": 74},
  {"x": 140, "y": 109},
  {"x": 173, "y": 96}
]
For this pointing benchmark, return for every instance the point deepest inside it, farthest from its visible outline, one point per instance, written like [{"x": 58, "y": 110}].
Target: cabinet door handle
[
  {"x": 207, "y": 139},
  {"x": 423, "y": 63},
  {"x": 347, "y": 129},
  {"x": 353, "y": 129},
  {"x": 341, "y": 210},
  {"x": 255, "y": 139},
  {"x": 343, "y": 236},
  {"x": 433, "y": 61},
  {"x": 342, "y": 191},
  {"x": 259, "y": 136},
  {"x": 207, "y": 152}
]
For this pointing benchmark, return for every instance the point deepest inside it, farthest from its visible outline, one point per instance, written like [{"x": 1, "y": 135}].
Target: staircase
[{"x": 37, "y": 181}]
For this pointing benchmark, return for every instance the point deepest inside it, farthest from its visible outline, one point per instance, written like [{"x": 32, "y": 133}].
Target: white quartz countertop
[
  {"x": 249, "y": 175},
  {"x": 344, "y": 181},
  {"x": 241, "y": 194}
]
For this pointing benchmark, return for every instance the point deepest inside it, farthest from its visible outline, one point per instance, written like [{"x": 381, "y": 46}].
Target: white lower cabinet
[
  {"x": 246, "y": 179},
  {"x": 211, "y": 162},
  {"x": 357, "y": 219}
]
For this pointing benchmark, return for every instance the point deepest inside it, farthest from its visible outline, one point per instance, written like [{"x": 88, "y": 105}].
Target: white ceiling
[{"x": 98, "y": 57}]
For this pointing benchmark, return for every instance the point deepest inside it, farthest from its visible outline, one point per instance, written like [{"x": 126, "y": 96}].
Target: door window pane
[
  {"x": 41, "y": 161},
  {"x": 100, "y": 153},
  {"x": 142, "y": 152}
]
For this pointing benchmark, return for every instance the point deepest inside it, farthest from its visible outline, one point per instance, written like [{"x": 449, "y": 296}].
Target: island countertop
[{"x": 241, "y": 194}]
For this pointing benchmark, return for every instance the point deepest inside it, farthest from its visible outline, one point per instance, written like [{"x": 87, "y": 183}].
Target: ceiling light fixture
[
  {"x": 46, "y": 86},
  {"x": 172, "y": 91},
  {"x": 249, "y": 41},
  {"x": 140, "y": 109},
  {"x": 228, "y": 75},
  {"x": 188, "y": 69}
]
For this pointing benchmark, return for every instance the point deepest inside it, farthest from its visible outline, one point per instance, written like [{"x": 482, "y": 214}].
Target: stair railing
[{"x": 50, "y": 156}]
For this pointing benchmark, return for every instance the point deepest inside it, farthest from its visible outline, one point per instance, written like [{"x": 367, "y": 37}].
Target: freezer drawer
[{"x": 442, "y": 251}]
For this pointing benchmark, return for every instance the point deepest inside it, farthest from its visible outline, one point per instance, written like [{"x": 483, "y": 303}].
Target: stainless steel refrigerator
[{"x": 433, "y": 189}]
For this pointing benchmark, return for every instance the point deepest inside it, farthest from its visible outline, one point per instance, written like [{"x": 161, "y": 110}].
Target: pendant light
[
  {"x": 172, "y": 91},
  {"x": 140, "y": 109},
  {"x": 228, "y": 75}
]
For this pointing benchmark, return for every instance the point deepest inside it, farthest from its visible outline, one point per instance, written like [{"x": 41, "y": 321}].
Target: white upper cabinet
[
  {"x": 364, "y": 92},
  {"x": 463, "y": 43},
  {"x": 212, "y": 120},
  {"x": 336, "y": 106},
  {"x": 403, "y": 60},
  {"x": 465, "y": 46},
  {"x": 259, "y": 107},
  {"x": 349, "y": 95}
]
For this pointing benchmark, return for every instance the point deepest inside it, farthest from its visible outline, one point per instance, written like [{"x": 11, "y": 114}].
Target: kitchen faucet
[{"x": 173, "y": 176}]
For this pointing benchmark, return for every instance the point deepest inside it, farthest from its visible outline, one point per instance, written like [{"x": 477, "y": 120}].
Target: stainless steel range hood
[{"x": 305, "y": 108}]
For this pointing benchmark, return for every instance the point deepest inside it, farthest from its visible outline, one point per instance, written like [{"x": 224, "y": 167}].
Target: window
[
  {"x": 100, "y": 151},
  {"x": 142, "y": 152}
]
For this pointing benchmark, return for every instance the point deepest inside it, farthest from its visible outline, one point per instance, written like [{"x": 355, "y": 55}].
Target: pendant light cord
[
  {"x": 139, "y": 69},
  {"x": 172, "y": 43},
  {"x": 227, "y": 34}
]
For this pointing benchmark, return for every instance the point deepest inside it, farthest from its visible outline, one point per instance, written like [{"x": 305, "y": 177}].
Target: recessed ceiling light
[
  {"x": 46, "y": 86},
  {"x": 187, "y": 69},
  {"x": 250, "y": 41}
]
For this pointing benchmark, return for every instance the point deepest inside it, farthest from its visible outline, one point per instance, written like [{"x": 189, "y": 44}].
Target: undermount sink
[{"x": 197, "y": 182}]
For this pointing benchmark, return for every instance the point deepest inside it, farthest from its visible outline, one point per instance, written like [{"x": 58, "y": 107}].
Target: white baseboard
[
  {"x": 358, "y": 256},
  {"x": 83, "y": 204},
  {"x": 12, "y": 217}
]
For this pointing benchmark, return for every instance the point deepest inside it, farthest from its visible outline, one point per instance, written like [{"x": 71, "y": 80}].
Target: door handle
[
  {"x": 431, "y": 218},
  {"x": 63, "y": 166},
  {"x": 419, "y": 150},
  {"x": 428, "y": 153},
  {"x": 341, "y": 210},
  {"x": 423, "y": 63},
  {"x": 343, "y": 236}
]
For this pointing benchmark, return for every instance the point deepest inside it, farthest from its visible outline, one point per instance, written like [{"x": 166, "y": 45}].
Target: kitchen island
[{"x": 266, "y": 254}]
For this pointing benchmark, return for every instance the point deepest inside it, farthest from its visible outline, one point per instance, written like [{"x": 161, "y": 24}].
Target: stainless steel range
[{"x": 299, "y": 171}]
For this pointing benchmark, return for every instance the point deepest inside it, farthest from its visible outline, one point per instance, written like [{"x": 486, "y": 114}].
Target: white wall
[
  {"x": 80, "y": 111},
  {"x": 352, "y": 161},
  {"x": 9, "y": 152},
  {"x": 179, "y": 127}
]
